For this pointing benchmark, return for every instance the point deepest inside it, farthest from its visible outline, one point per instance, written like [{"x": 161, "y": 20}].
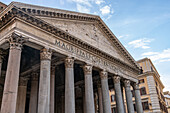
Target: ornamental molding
[
  {"x": 135, "y": 86},
  {"x": 34, "y": 76},
  {"x": 116, "y": 79},
  {"x": 87, "y": 69},
  {"x": 103, "y": 75},
  {"x": 127, "y": 83},
  {"x": 16, "y": 41},
  {"x": 23, "y": 81},
  {"x": 45, "y": 54},
  {"x": 69, "y": 62},
  {"x": 20, "y": 13}
]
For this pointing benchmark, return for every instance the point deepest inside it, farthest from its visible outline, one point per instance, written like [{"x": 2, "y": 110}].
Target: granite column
[
  {"x": 9, "y": 99},
  {"x": 44, "y": 82},
  {"x": 52, "y": 89},
  {"x": 138, "y": 102},
  {"x": 129, "y": 101},
  {"x": 105, "y": 92},
  {"x": 100, "y": 98},
  {"x": 89, "y": 96},
  {"x": 21, "y": 98},
  {"x": 118, "y": 94},
  {"x": 69, "y": 86},
  {"x": 34, "y": 93}
]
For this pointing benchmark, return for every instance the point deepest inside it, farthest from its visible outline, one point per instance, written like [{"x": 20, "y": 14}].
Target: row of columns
[{"x": 46, "y": 86}]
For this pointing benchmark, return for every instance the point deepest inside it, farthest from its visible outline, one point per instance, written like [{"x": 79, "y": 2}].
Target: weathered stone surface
[
  {"x": 89, "y": 96},
  {"x": 44, "y": 84},
  {"x": 129, "y": 101},
  {"x": 105, "y": 92},
  {"x": 69, "y": 86},
  {"x": 34, "y": 93},
  {"x": 12, "y": 75}
]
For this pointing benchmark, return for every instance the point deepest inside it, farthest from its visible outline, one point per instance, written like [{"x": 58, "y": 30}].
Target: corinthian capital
[
  {"x": 135, "y": 86},
  {"x": 16, "y": 41},
  {"x": 116, "y": 79},
  {"x": 34, "y": 76},
  {"x": 127, "y": 83},
  {"x": 23, "y": 81},
  {"x": 87, "y": 70},
  {"x": 103, "y": 74},
  {"x": 45, "y": 54},
  {"x": 69, "y": 62}
]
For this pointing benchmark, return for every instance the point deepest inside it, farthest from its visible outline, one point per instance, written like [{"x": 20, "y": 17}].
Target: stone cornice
[{"x": 15, "y": 12}]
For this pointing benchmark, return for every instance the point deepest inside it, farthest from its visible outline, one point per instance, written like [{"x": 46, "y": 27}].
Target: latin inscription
[{"x": 94, "y": 59}]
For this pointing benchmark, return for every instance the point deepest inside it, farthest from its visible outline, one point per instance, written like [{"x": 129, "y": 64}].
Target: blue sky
[{"x": 143, "y": 26}]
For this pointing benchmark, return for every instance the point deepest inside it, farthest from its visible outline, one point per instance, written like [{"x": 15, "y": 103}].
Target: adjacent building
[
  {"x": 167, "y": 100},
  {"x": 151, "y": 89}
]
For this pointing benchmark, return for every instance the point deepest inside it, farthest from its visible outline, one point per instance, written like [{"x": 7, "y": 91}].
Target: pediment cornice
[{"x": 28, "y": 17}]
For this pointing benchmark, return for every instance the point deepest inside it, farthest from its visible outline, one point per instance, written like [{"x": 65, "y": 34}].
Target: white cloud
[
  {"x": 123, "y": 36},
  {"x": 83, "y": 2},
  {"x": 141, "y": 43},
  {"x": 158, "y": 57},
  {"x": 98, "y": 2},
  {"x": 149, "y": 53},
  {"x": 83, "y": 9},
  {"x": 105, "y": 10}
]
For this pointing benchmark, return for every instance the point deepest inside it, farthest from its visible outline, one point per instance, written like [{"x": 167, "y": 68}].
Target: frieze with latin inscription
[{"x": 88, "y": 56}]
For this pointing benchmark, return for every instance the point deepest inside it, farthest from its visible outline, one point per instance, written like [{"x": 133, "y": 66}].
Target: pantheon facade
[{"x": 57, "y": 61}]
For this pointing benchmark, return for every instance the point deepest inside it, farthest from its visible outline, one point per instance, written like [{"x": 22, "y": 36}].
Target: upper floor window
[
  {"x": 143, "y": 91},
  {"x": 141, "y": 81},
  {"x": 112, "y": 98},
  {"x": 145, "y": 105}
]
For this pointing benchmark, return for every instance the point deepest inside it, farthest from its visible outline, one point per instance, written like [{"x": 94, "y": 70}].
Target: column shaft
[
  {"x": 33, "y": 104},
  {"x": 52, "y": 90},
  {"x": 44, "y": 84},
  {"x": 105, "y": 92},
  {"x": 100, "y": 99},
  {"x": 139, "y": 107},
  {"x": 69, "y": 86},
  {"x": 129, "y": 101},
  {"x": 21, "y": 98},
  {"x": 0, "y": 62},
  {"x": 118, "y": 94},
  {"x": 12, "y": 75},
  {"x": 89, "y": 96}
]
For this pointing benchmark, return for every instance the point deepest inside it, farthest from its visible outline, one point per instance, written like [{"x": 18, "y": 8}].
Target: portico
[{"x": 63, "y": 68}]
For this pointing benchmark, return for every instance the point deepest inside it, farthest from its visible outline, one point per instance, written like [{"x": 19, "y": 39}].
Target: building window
[
  {"x": 112, "y": 98},
  {"x": 143, "y": 91},
  {"x": 145, "y": 105},
  {"x": 141, "y": 81}
]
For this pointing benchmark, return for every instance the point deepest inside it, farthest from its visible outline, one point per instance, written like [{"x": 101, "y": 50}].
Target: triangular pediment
[
  {"x": 88, "y": 28},
  {"x": 90, "y": 33}
]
